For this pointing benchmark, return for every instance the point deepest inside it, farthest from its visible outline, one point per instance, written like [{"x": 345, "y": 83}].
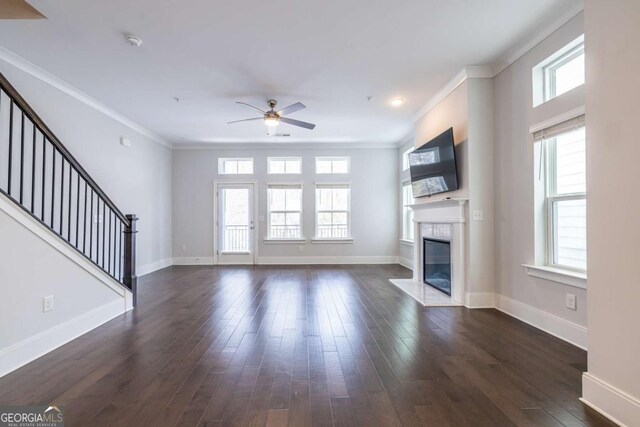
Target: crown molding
[
  {"x": 511, "y": 56},
  {"x": 469, "y": 72},
  {"x": 30, "y": 68},
  {"x": 283, "y": 145}
]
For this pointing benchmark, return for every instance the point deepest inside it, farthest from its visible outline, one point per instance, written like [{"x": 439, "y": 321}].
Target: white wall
[
  {"x": 469, "y": 110},
  {"x": 32, "y": 268},
  {"x": 137, "y": 179},
  {"x": 613, "y": 149},
  {"x": 374, "y": 210},
  {"x": 453, "y": 112},
  {"x": 481, "y": 272},
  {"x": 514, "y": 179}
]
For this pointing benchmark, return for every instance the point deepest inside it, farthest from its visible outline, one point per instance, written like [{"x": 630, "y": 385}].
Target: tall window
[
  {"x": 407, "y": 212},
  {"x": 285, "y": 211},
  {"x": 333, "y": 211},
  {"x": 284, "y": 165},
  {"x": 235, "y": 166},
  {"x": 564, "y": 73},
  {"x": 405, "y": 158},
  {"x": 566, "y": 196},
  {"x": 332, "y": 165}
]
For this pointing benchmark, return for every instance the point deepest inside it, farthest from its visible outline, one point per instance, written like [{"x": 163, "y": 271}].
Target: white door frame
[{"x": 216, "y": 234}]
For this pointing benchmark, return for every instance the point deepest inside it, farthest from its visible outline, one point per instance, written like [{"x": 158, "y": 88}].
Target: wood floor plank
[{"x": 304, "y": 346}]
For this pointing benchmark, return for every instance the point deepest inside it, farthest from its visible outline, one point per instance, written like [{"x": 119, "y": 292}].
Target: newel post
[{"x": 130, "y": 279}]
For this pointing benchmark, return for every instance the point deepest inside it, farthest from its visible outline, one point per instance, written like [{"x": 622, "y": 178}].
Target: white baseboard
[
  {"x": 193, "y": 260},
  {"x": 561, "y": 328},
  {"x": 405, "y": 262},
  {"x": 613, "y": 403},
  {"x": 480, "y": 300},
  {"x": 154, "y": 266},
  {"x": 280, "y": 260},
  {"x": 23, "y": 352}
]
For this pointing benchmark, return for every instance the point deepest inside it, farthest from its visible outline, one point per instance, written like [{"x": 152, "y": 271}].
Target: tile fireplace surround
[{"x": 443, "y": 219}]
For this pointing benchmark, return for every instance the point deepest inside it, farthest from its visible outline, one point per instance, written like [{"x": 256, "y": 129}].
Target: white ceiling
[{"x": 330, "y": 55}]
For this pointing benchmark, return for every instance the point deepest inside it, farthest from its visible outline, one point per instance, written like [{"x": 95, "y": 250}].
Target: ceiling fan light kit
[{"x": 272, "y": 118}]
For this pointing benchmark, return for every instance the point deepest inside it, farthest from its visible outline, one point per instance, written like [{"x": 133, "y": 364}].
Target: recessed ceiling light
[
  {"x": 396, "y": 102},
  {"x": 133, "y": 40}
]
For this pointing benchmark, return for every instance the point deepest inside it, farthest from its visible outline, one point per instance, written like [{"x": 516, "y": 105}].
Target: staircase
[{"x": 40, "y": 175}]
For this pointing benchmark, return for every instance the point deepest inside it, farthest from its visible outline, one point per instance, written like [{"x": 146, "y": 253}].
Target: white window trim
[
  {"x": 270, "y": 241},
  {"x": 541, "y": 269},
  {"x": 283, "y": 158},
  {"x": 332, "y": 240},
  {"x": 221, "y": 161},
  {"x": 317, "y": 239},
  {"x": 549, "y": 201},
  {"x": 548, "y": 84},
  {"x": 558, "y": 275},
  {"x": 405, "y": 156},
  {"x": 402, "y": 220},
  {"x": 268, "y": 238},
  {"x": 539, "y": 85},
  {"x": 333, "y": 158}
]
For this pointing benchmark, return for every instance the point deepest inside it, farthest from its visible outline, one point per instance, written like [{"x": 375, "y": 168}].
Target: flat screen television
[{"x": 433, "y": 166}]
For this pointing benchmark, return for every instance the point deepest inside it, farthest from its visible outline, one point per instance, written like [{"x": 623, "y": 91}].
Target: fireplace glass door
[{"x": 436, "y": 257}]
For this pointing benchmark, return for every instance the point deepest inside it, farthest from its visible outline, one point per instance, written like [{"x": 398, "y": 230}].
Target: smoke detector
[{"x": 133, "y": 40}]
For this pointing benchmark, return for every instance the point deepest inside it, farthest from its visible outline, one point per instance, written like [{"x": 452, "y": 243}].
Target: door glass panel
[{"x": 235, "y": 230}]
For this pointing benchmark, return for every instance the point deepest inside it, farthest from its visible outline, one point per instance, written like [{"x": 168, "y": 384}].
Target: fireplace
[
  {"x": 439, "y": 229},
  {"x": 436, "y": 258}
]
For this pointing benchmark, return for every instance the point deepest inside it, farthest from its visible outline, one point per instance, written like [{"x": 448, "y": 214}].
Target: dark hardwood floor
[{"x": 322, "y": 345}]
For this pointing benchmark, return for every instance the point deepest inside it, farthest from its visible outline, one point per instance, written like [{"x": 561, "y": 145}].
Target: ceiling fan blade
[
  {"x": 291, "y": 109},
  {"x": 297, "y": 123},
  {"x": 19, "y": 9},
  {"x": 246, "y": 120},
  {"x": 250, "y": 106}
]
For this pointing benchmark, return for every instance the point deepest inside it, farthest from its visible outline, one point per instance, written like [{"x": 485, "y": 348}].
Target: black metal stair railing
[{"x": 39, "y": 174}]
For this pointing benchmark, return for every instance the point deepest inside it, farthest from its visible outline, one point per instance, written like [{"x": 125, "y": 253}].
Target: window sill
[
  {"x": 344, "y": 240},
  {"x": 558, "y": 275},
  {"x": 284, "y": 241},
  {"x": 406, "y": 242}
]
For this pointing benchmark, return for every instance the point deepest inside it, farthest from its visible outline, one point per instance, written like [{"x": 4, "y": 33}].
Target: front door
[{"x": 235, "y": 223}]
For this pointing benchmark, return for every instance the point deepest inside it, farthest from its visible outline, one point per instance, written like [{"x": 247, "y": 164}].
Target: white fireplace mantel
[{"x": 446, "y": 211}]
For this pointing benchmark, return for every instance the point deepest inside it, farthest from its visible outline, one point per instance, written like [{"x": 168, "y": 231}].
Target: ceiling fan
[{"x": 272, "y": 118}]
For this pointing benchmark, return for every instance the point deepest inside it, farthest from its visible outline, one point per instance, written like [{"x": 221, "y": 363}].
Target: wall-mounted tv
[{"x": 433, "y": 166}]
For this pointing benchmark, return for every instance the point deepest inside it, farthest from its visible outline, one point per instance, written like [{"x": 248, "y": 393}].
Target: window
[
  {"x": 333, "y": 211},
  {"x": 330, "y": 165},
  {"x": 407, "y": 212},
  {"x": 564, "y": 73},
  {"x": 285, "y": 211},
  {"x": 284, "y": 165},
  {"x": 235, "y": 166},
  {"x": 405, "y": 158},
  {"x": 565, "y": 200}
]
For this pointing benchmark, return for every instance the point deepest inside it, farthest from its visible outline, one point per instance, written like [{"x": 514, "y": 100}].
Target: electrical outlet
[
  {"x": 478, "y": 215},
  {"x": 571, "y": 301},
  {"x": 300, "y": 248},
  {"x": 47, "y": 303}
]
